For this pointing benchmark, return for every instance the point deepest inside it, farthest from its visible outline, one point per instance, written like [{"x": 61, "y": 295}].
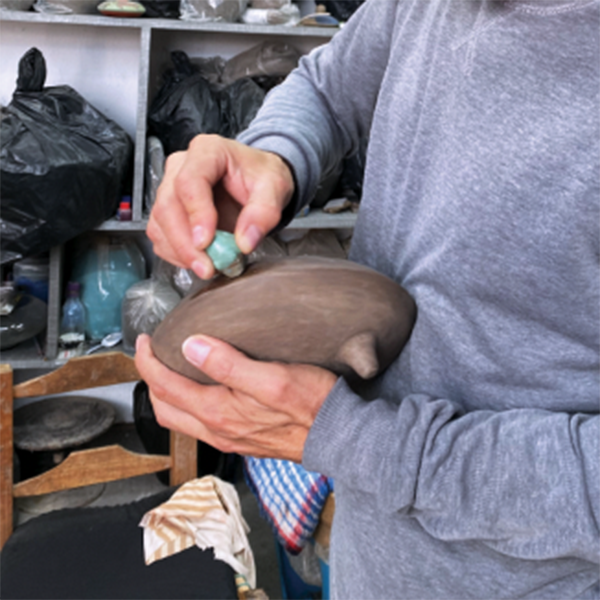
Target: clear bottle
[{"x": 72, "y": 325}]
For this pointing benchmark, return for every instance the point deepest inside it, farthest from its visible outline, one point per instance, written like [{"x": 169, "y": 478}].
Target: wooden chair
[{"x": 82, "y": 467}]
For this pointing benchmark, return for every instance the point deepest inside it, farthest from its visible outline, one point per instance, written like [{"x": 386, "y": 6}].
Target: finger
[
  {"x": 178, "y": 390},
  {"x": 170, "y": 229},
  {"x": 263, "y": 210},
  {"x": 204, "y": 167},
  {"x": 175, "y": 419},
  {"x": 256, "y": 220},
  {"x": 202, "y": 266},
  {"x": 209, "y": 412},
  {"x": 161, "y": 246},
  {"x": 179, "y": 403},
  {"x": 181, "y": 252},
  {"x": 233, "y": 369}
]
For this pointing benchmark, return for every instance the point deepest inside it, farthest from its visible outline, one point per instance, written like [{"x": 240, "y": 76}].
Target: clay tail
[{"x": 359, "y": 353}]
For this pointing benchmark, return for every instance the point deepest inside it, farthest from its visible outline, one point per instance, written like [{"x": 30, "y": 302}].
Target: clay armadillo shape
[{"x": 327, "y": 312}]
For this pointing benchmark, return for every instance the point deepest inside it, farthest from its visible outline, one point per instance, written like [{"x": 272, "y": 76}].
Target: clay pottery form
[{"x": 327, "y": 312}]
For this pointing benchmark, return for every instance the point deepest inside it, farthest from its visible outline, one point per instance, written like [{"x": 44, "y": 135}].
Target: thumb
[{"x": 224, "y": 364}]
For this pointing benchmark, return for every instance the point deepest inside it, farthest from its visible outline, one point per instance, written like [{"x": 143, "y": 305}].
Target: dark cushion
[{"x": 98, "y": 553}]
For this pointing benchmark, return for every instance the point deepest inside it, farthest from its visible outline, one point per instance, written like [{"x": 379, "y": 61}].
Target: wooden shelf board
[{"x": 167, "y": 24}]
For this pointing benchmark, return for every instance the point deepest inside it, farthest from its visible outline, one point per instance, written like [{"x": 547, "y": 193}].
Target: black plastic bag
[
  {"x": 351, "y": 180},
  {"x": 62, "y": 164},
  {"x": 161, "y": 9},
  {"x": 239, "y": 102},
  {"x": 342, "y": 10},
  {"x": 187, "y": 105},
  {"x": 184, "y": 106}
]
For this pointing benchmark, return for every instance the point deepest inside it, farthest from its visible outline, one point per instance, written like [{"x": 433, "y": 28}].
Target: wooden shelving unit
[{"x": 152, "y": 40}]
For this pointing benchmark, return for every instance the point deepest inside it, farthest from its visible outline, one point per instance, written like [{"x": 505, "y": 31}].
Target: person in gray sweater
[{"x": 470, "y": 468}]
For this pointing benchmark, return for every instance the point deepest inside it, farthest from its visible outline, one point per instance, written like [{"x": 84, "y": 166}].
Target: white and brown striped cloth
[{"x": 204, "y": 512}]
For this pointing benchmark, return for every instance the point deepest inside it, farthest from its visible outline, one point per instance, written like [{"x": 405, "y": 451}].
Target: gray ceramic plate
[{"x": 26, "y": 320}]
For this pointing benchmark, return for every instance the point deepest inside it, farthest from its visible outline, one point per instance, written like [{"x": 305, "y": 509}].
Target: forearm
[
  {"x": 322, "y": 112},
  {"x": 298, "y": 132},
  {"x": 523, "y": 481}
]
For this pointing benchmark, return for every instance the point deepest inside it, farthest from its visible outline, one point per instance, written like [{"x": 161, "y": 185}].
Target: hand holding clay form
[
  {"x": 325, "y": 312},
  {"x": 216, "y": 182}
]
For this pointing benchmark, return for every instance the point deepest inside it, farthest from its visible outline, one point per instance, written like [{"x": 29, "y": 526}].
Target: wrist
[
  {"x": 288, "y": 177},
  {"x": 290, "y": 206}
]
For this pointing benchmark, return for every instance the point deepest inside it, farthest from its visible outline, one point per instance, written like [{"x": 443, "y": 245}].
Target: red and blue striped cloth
[{"x": 290, "y": 498}]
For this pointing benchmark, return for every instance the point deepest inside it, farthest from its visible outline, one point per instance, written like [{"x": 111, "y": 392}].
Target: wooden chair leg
[
  {"x": 184, "y": 454},
  {"x": 6, "y": 452}
]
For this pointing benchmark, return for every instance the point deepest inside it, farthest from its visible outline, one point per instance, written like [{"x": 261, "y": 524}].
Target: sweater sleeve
[
  {"x": 526, "y": 482},
  {"x": 315, "y": 117}
]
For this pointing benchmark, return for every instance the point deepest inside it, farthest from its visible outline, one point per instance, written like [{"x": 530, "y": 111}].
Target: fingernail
[
  {"x": 198, "y": 235},
  {"x": 138, "y": 343},
  {"x": 200, "y": 268},
  {"x": 250, "y": 239},
  {"x": 196, "y": 351}
]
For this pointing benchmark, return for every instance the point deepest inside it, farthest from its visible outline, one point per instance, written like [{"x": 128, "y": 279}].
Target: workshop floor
[{"x": 128, "y": 490}]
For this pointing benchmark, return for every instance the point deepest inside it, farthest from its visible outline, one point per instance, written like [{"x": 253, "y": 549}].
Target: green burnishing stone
[{"x": 227, "y": 258}]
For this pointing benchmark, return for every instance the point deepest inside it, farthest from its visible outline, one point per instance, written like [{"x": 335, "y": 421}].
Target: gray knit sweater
[{"x": 470, "y": 469}]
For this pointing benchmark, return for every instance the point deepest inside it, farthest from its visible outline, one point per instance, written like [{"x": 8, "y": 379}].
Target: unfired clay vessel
[{"x": 327, "y": 312}]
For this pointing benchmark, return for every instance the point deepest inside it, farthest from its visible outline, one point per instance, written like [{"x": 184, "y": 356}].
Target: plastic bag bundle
[
  {"x": 184, "y": 106},
  {"x": 342, "y": 10},
  {"x": 351, "y": 179},
  {"x": 211, "y": 68},
  {"x": 161, "y": 9},
  {"x": 145, "y": 305},
  {"x": 272, "y": 59},
  {"x": 62, "y": 164},
  {"x": 240, "y": 102},
  {"x": 187, "y": 105},
  {"x": 212, "y": 10}
]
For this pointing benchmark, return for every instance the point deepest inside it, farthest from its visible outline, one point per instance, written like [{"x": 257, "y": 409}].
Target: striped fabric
[
  {"x": 204, "y": 512},
  {"x": 290, "y": 498}
]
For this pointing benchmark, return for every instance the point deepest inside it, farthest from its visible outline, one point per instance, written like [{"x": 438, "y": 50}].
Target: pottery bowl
[{"x": 327, "y": 312}]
